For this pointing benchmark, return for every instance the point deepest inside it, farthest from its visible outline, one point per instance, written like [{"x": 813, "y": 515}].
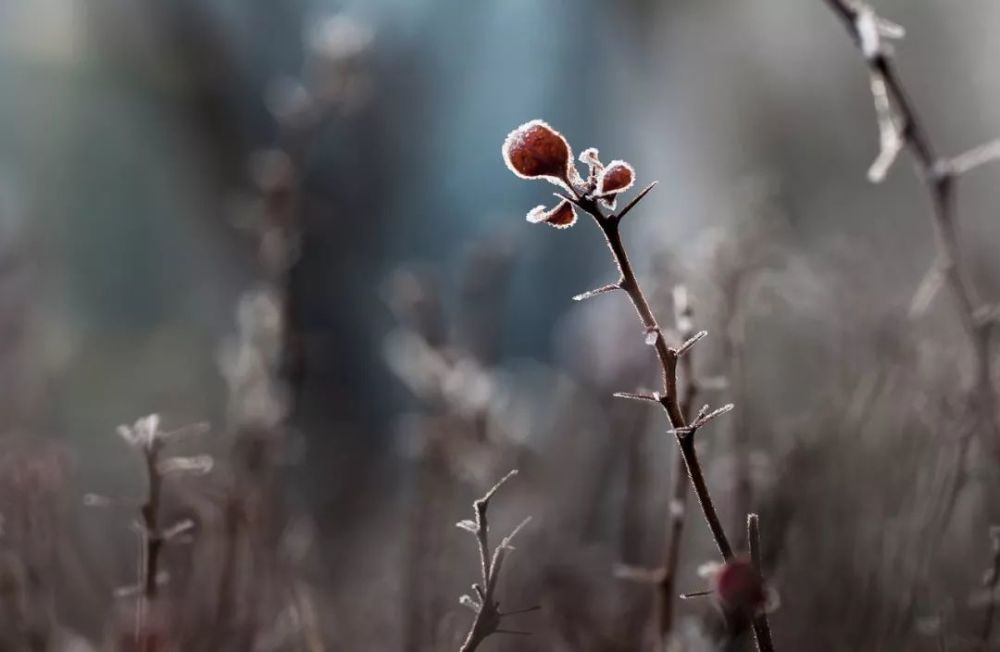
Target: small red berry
[{"x": 738, "y": 586}]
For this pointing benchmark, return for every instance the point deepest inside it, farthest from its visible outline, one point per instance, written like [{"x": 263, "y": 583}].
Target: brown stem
[
  {"x": 488, "y": 618},
  {"x": 628, "y": 282},
  {"x": 938, "y": 175},
  {"x": 668, "y": 398},
  {"x": 152, "y": 542}
]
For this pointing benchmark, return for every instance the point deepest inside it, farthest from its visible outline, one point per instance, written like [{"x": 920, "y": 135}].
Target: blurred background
[{"x": 291, "y": 220}]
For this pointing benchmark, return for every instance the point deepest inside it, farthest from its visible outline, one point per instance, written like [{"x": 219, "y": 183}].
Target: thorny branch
[
  {"x": 536, "y": 151},
  {"x": 489, "y": 618},
  {"x": 900, "y": 126},
  {"x": 147, "y": 438},
  {"x": 668, "y": 397}
]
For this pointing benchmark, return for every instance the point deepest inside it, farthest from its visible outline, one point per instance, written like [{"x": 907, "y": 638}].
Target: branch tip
[
  {"x": 610, "y": 287},
  {"x": 694, "y": 339},
  {"x": 651, "y": 397}
]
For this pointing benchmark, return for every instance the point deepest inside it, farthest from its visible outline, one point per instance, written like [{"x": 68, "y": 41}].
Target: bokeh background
[{"x": 291, "y": 218}]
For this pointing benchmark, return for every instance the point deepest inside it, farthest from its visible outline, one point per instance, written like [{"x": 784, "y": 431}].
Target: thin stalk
[
  {"x": 939, "y": 175},
  {"x": 668, "y": 398},
  {"x": 761, "y": 628},
  {"x": 668, "y": 359},
  {"x": 151, "y": 542}
]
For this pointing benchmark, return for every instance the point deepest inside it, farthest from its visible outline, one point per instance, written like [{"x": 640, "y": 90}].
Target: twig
[
  {"x": 488, "y": 617},
  {"x": 536, "y": 151},
  {"x": 668, "y": 358},
  {"x": 939, "y": 175},
  {"x": 761, "y": 627},
  {"x": 146, "y": 437},
  {"x": 669, "y": 400}
]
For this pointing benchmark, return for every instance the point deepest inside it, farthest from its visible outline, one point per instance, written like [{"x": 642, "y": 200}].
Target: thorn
[
  {"x": 696, "y": 594},
  {"x": 496, "y": 487},
  {"x": 694, "y": 339},
  {"x": 511, "y": 631},
  {"x": 653, "y": 397},
  {"x": 635, "y": 200},
  {"x": 705, "y": 418},
  {"x": 610, "y": 287},
  {"x": 506, "y": 541}
]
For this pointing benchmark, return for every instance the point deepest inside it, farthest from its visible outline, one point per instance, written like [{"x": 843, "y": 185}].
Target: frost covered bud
[
  {"x": 738, "y": 586},
  {"x": 537, "y": 151}
]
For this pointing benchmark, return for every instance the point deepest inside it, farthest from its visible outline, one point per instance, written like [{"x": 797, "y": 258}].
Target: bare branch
[
  {"x": 938, "y": 175},
  {"x": 487, "y": 609},
  {"x": 590, "y": 201}
]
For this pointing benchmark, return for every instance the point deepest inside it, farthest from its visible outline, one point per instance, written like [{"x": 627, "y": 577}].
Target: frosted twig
[
  {"x": 668, "y": 359},
  {"x": 488, "y": 617},
  {"x": 939, "y": 175},
  {"x": 536, "y": 151},
  {"x": 148, "y": 440}
]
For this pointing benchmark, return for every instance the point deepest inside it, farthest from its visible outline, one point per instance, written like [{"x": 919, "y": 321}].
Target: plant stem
[
  {"x": 152, "y": 543},
  {"x": 668, "y": 398},
  {"x": 939, "y": 175}
]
